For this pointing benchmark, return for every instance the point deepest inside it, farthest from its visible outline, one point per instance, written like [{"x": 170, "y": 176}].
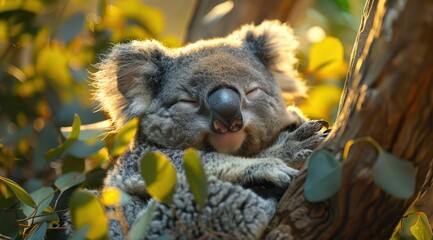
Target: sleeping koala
[{"x": 222, "y": 97}]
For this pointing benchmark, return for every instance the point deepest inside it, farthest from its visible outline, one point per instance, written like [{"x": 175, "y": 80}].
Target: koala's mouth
[{"x": 229, "y": 142}]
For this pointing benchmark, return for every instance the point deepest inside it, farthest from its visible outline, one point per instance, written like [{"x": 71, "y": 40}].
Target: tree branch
[{"x": 388, "y": 96}]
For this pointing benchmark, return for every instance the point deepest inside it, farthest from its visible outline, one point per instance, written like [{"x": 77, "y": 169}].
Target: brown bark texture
[
  {"x": 388, "y": 96},
  {"x": 243, "y": 12}
]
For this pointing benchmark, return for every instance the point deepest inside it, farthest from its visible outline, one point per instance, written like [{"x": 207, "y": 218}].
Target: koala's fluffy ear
[
  {"x": 127, "y": 78},
  {"x": 274, "y": 44}
]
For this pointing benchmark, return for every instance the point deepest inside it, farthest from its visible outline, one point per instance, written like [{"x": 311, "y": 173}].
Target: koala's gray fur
[{"x": 168, "y": 89}]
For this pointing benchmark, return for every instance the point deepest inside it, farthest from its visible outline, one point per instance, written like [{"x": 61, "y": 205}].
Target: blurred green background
[{"x": 47, "y": 52}]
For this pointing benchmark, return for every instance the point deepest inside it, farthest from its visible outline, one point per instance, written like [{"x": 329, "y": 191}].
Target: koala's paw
[
  {"x": 270, "y": 178},
  {"x": 296, "y": 146}
]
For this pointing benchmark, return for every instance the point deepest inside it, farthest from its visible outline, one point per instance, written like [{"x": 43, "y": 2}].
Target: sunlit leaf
[
  {"x": 111, "y": 196},
  {"x": 73, "y": 136},
  {"x": 218, "y": 12},
  {"x": 69, "y": 180},
  {"x": 405, "y": 225},
  {"x": 324, "y": 176},
  {"x": 140, "y": 228},
  {"x": 326, "y": 56},
  {"x": 71, "y": 27},
  {"x": 160, "y": 176},
  {"x": 42, "y": 197},
  {"x": 19, "y": 192},
  {"x": 123, "y": 138},
  {"x": 38, "y": 232},
  {"x": 196, "y": 176},
  {"x": 89, "y": 131},
  {"x": 395, "y": 176},
  {"x": 421, "y": 229},
  {"x": 86, "y": 211}
]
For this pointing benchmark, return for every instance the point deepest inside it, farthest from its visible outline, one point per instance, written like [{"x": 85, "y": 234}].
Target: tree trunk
[
  {"x": 389, "y": 97},
  {"x": 243, "y": 12}
]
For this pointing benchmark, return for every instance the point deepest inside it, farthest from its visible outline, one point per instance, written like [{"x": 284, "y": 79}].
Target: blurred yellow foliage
[
  {"x": 322, "y": 102},
  {"x": 326, "y": 59}
]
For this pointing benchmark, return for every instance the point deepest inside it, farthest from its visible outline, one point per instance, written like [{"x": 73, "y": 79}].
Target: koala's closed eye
[
  {"x": 253, "y": 92},
  {"x": 186, "y": 100}
]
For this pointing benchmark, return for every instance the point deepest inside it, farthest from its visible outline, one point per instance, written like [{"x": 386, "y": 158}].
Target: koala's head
[{"x": 219, "y": 95}]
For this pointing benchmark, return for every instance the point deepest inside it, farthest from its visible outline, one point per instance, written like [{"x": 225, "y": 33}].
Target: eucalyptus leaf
[
  {"x": 86, "y": 210},
  {"x": 160, "y": 176},
  {"x": 395, "y": 176},
  {"x": 123, "y": 138},
  {"x": 42, "y": 197},
  {"x": 73, "y": 136},
  {"x": 196, "y": 176},
  {"x": 38, "y": 232},
  {"x": 421, "y": 229},
  {"x": 69, "y": 180},
  {"x": 324, "y": 176},
  {"x": 19, "y": 192},
  {"x": 141, "y": 227},
  {"x": 82, "y": 149}
]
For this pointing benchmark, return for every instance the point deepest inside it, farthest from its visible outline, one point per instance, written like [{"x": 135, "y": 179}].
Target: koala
[{"x": 223, "y": 97}]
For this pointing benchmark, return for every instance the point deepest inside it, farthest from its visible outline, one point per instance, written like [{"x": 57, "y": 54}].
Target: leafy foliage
[
  {"x": 324, "y": 176},
  {"x": 196, "y": 176},
  {"x": 160, "y": 176}
]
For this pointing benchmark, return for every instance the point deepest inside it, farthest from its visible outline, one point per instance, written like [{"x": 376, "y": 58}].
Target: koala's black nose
[{"x": 225, "y": 108}]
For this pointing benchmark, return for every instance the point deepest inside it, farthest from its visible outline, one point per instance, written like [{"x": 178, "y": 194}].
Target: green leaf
[
  {"x": 71, "y": 27},
  {"x": 395, "y": 176},
  {"x": 421, "y": 229},
  {"x": 89, "y": 131},
  {"x": 86, "y": 210},
  {"x": 83, "y": 149},
  {"x": 159, "y": 175},
  {"x": 38, "y": 232},
  {"x": 19, "y": 192},
  {"x": 324, "y": 176},
  {"x": 141, "y": 227},
  {"x": 123, "y": 138},
  {"x": 42, "y": 197},
  {"x": 406, "y": 224},
  {"x": 69, "y": 180},
  {"x": 73, "y": 136},
  {"x": 196, "y": 176}
]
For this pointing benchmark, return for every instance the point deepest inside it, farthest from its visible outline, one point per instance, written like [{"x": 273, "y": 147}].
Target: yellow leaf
[
  {"x": 326, "y": 57},
  {"x": 86, "y": 210},
  {"x": 160, "y": 176},
  {"x": 111, "y": 196},
  {"x": 322, "y": 102}
]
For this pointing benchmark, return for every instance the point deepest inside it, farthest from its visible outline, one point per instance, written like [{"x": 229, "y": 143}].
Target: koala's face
[{"x": 219, "y": 95}]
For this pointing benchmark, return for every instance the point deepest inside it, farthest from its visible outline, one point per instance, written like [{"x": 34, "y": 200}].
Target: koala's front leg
[
  {"x": 294, "y": 147},
  {"x": 267, "y": 176}
]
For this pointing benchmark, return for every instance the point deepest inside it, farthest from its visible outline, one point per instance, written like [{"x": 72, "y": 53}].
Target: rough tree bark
[
  {"x": 243, "y": 12},
  {"x": 388, "y": 96}
]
